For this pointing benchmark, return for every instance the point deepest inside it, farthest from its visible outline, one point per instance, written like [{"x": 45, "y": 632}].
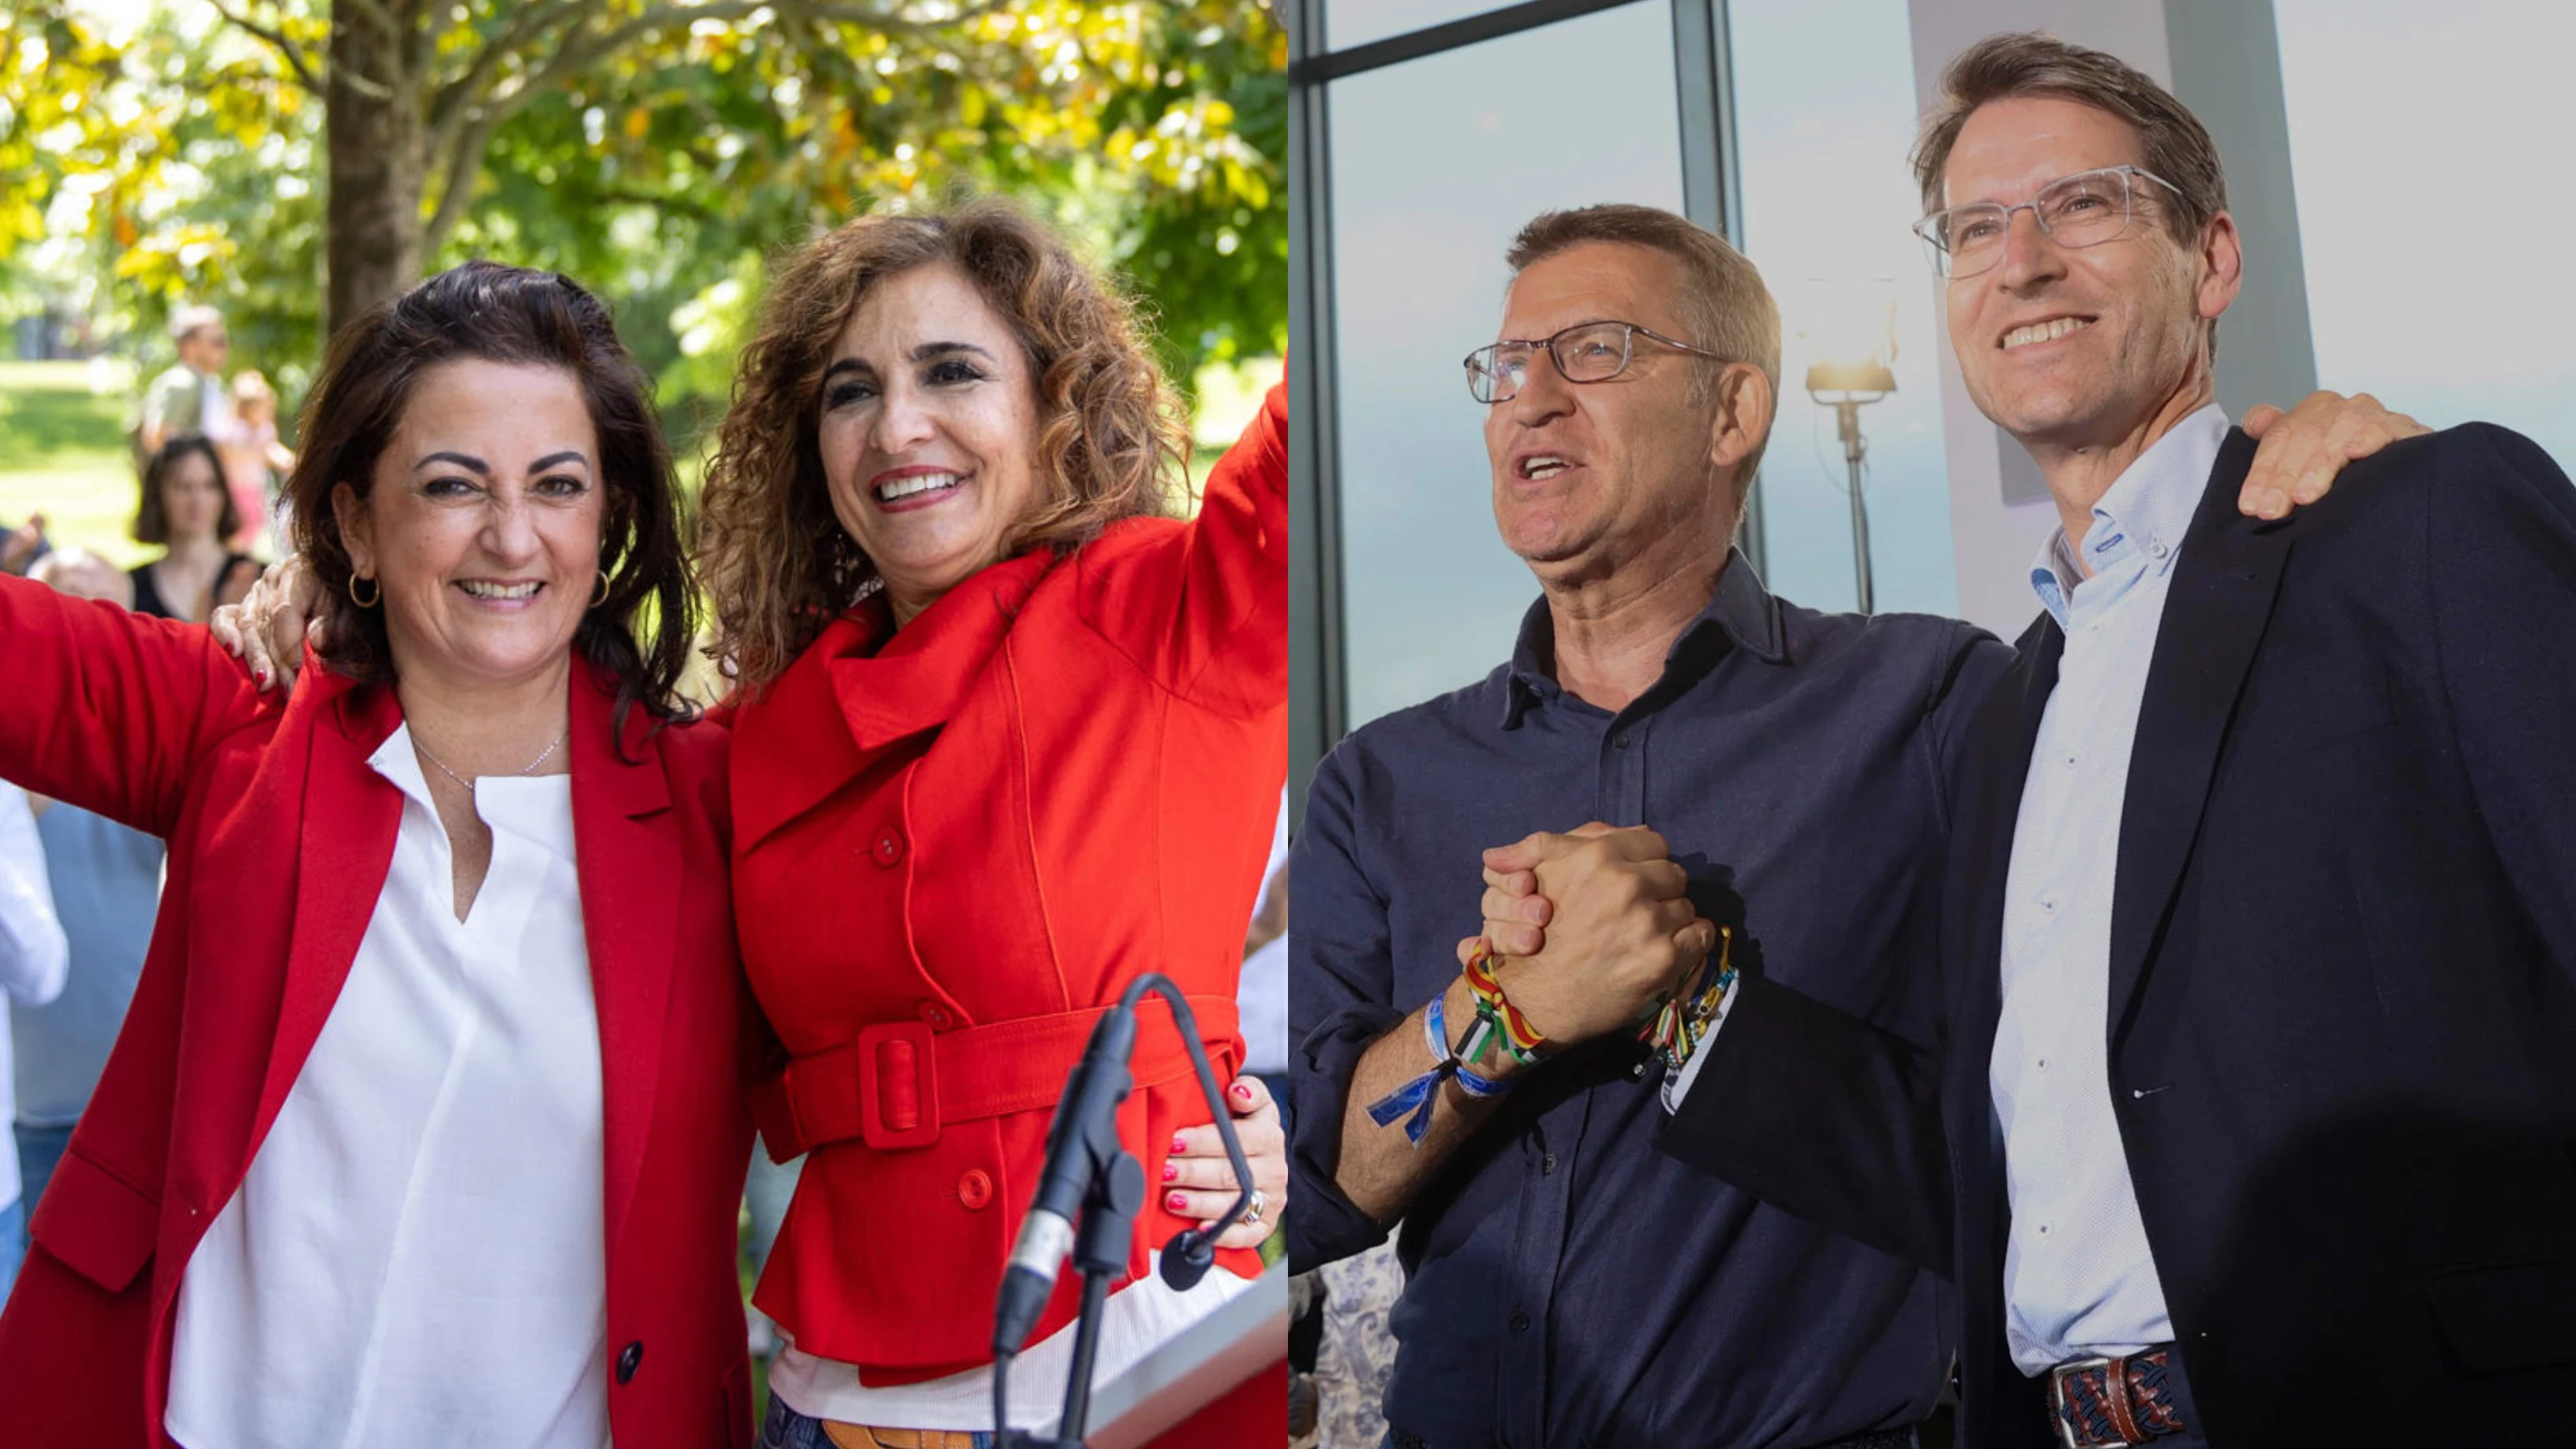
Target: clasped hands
[{"x": 1593, "y": 927}]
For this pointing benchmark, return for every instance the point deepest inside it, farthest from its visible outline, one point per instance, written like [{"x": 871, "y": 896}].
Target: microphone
[
  {"x": 1187, "y": 1258},
  {"x": 1083, "y": 1136}
]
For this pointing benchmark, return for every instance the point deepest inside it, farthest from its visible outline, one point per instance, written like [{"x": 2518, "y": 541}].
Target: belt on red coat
[{"x": 900, "y": 1082}]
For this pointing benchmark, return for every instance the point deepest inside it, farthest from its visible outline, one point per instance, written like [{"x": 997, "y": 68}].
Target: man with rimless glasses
[
  {"x": 1785, "y": 780},
  {"x": 2248, "y": 1116}
]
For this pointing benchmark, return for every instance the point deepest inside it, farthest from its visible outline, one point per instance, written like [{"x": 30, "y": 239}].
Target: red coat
[
  {"x": 954, "y": 843},
  {"x": 280, "y": 839}
]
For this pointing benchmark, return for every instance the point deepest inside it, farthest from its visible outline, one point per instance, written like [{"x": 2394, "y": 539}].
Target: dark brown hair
[
  {"x": 1111, "y": 444},
  {"x": 2174, "y": 144},
  {"x": 1727, "y": 308},
  {"x": 639, "y": 634},
  {"x": 152, "y": 514}
]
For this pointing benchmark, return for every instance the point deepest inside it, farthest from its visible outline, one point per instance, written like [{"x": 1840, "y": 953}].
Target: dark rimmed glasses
[
  {"x": 1584, "y": 352},
  {"x": 2082, "y": 210}
]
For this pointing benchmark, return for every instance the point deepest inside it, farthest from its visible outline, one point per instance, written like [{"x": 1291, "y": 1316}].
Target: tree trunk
[{"x": 378, "y": 158}]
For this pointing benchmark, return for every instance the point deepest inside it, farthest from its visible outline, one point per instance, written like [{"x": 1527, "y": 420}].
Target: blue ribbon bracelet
[{"x": 1417, "y": 1097}]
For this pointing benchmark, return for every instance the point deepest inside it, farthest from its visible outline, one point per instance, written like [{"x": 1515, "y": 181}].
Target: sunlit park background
[{"x": 293, "y": 161}]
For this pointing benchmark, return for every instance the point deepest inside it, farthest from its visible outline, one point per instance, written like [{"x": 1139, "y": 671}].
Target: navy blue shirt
[{"x": 1567, "y": 1284}]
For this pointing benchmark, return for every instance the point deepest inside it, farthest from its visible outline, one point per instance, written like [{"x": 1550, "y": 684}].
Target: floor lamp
[{"x": 1852, "y": 344}]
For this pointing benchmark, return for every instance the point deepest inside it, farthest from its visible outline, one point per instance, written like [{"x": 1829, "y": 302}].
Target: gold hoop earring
[
  {"x": 601, "y": 597},
  {"x": 371, "y": 600}
]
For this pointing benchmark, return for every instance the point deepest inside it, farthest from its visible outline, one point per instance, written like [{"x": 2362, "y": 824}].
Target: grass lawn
[{"x": 63, "y": 453}]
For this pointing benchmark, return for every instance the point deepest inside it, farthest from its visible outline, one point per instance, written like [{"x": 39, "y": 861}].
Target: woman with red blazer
[
  {"x": 425, "y": 1124},
  {"x": 1009, "y": 734}
]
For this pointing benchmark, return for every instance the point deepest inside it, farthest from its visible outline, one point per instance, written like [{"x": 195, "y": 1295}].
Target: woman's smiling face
[
  {"x": 483, "y": 525},
  {"x": 929, "y": 433}
]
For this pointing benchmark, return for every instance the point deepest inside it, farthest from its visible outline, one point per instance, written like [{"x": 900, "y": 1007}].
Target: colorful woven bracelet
[
  {"x": 1415, "y": 1100},
  {"x": 1497, "y": 1016},
  {"x": 1676, "y": 1031}
]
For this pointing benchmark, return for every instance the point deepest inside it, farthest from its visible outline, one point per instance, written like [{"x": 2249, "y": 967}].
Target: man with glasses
[
  {"x": 1567, "y": 1285},
  {"x": 2251, "y": 1118}
]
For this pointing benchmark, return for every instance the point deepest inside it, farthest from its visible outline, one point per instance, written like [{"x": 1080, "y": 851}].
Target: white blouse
[
  {"x": 1138, "y": 1319},
  {"x": 417, "y": 1256}
]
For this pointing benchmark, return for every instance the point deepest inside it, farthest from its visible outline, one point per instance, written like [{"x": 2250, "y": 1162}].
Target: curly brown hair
[{"x": 1111, "y": 444}]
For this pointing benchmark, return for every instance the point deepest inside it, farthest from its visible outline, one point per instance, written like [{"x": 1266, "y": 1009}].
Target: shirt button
[
  {"x": 629, "y": 1359},
  {"x": 1547, "y": 1163},
  {"x": 2071, "y": 757},
  {"x": 889, "y": 846},
  {"x": 2156, "y": 546},
  {"x": 939, "y": 1017},
  {"x": 2043, "y": 1230},
  {"x": 2048, "y": 904},
  {"x": 2043, "y": 1064},
  {"x": 1520, "y": 1321},
  {"x": 1619, "y": 742},
  {"x": 975, "y": 1189}
]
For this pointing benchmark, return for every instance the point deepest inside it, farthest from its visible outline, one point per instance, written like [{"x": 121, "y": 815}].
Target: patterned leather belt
[
  {"x": 2114, "y": 1403},
  {"x": 1877, "y": 1439}
]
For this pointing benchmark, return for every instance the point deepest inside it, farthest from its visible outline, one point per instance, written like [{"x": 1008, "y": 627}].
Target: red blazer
[
  {"x": 280, "y": 838},
  {"x": 954, "y": 844}
]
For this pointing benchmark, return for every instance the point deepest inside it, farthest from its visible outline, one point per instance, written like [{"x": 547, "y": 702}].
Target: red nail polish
[
  {"x": 1171, "y": 1170},
  {"x": 1175, "y": 1201},
  {"x": 1180, "y": 1144}
]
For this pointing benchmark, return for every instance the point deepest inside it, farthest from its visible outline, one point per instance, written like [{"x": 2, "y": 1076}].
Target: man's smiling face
[{"x": 2072, "y": 347}]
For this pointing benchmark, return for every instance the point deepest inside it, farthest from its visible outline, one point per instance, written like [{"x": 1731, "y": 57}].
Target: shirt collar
[
  {"x": 2146, "y": 511},
  {"x": 399, "y": 763},
  {"x": 532, "y": 807},
  {"x": 1742, "y": 614}
]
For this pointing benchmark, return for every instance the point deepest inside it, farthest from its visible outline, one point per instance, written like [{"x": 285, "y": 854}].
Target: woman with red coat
[
  {"x": 1009, "y": 734},
  {"x": 425, "y": 1126}
]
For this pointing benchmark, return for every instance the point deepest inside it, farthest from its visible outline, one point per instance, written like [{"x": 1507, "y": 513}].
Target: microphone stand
[{"x": 1109, "y": 1209}]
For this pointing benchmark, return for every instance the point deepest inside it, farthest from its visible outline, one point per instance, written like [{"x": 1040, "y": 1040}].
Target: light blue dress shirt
[{"x": 2078, "y": 1278}]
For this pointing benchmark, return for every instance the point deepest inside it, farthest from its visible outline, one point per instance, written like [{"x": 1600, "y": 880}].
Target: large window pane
[
  {"x": 1436, "y": 163},
  {"x": 1357, "y": 22},
  {"x": 2430, "y": 150},
  {"x": 1825, "y": 114}
]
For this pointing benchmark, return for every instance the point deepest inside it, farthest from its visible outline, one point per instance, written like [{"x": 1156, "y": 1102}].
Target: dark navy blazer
[{"x": 2342, "y": 1015}]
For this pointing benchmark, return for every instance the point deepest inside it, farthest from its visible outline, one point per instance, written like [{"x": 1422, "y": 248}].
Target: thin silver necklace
[{"x": 544, "y": 755}]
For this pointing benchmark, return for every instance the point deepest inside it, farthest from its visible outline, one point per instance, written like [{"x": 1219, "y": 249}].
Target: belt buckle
[
  {"x": 2058, "y": 1417},
  {"x": 914, "y": 1040}
]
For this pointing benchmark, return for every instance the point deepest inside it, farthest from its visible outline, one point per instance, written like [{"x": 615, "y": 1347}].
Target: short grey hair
[{"x": 1727, "y": 308}]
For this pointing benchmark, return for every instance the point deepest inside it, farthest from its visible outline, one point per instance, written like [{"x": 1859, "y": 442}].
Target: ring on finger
[{"x": 1252, "y": 1214}]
